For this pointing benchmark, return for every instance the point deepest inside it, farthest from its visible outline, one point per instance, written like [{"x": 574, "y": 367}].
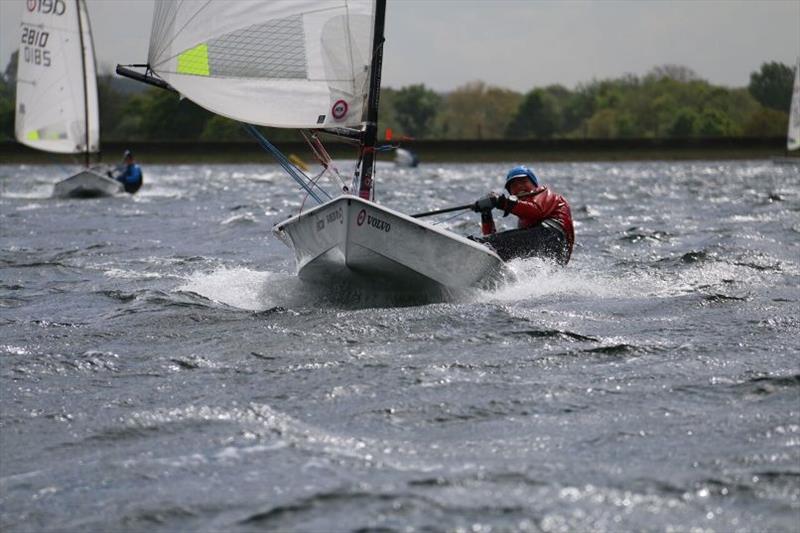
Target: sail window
[{"x": 274, "y": 49}]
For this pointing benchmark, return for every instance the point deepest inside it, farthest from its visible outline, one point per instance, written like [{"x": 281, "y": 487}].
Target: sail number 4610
[{"x": 35, "y": 42}]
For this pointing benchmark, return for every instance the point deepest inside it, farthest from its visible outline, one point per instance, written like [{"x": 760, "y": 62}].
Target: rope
[
  {"x": 322, "y": 155},
  {"x": 448, "y": 219},
  {"x": 290, "y": 169}
]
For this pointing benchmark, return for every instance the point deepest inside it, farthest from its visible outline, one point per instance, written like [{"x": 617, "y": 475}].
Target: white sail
[
  {"x": 793, "y": 135},
  {"x": 282, "y": 63},
  {"x": 54, "y": 99}
]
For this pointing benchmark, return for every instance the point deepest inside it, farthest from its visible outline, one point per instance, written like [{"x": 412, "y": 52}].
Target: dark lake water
[{"x": 162, "y": 368}]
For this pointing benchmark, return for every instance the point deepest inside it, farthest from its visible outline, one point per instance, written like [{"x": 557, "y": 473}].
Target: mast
[
  {"x": 85, "y": 88},
  {"x": 371, "y": 130}
]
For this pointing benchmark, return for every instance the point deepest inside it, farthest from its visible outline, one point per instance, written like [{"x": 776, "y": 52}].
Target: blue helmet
[{"x": 521, "y": 172}]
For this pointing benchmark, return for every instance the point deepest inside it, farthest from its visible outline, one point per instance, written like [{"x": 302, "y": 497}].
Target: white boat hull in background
[
  {"x": 357, "y": 242},
  {"x": 87, "y": 184},
  {"x": 405, "y": 158}
]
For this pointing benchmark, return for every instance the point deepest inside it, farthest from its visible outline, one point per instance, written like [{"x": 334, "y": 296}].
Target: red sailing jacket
[{"x": 544, "y": 204}]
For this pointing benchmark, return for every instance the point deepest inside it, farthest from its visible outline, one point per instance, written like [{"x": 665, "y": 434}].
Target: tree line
[{"x": 668, "y": 102}]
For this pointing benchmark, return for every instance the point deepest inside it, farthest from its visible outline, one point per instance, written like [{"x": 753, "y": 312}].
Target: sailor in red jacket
[{"x": 538, "y": 209}]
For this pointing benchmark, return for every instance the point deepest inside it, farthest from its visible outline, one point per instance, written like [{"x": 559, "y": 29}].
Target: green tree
[
  {"x": 477, "y": 111},
  {"x": 112, "y": 108},
  {"x": 672, "y": 72},
  {"x": 765, "y": 122},
  {"x": 10, "y": 73},
  {"x": 772, "y": 85},
  {"x": 386, "y": 113},
  {"x": 537, "y": 116},
  {"x": 219, "y": 128},
  {"x": 415, "y": 109},
  {"x": 684, "y": 124},
  {"x": 8, "y": 90},
  {"x": 576, "y": 109},
  {"x": 625, "y": 124},
  {"x": 714, "y": 123},
  {"x": 166, "y": 116},
  {"x": 602, "y": 124}
]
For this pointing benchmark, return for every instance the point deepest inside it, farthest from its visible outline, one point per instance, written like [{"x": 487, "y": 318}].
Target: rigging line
[
  {"x": 285, "y": 163},
  {"x": 448, "y": 219},
  {"x": 315, "y": 180},
  {"x": 165, "y": 25},
  {"x": 166, "y": 22},
  {"x": 160, "y": 24},
  {"x": 303, "y": 203},
  {"x": 177, "y": 33},
  {"x": 322, "y": 156}
]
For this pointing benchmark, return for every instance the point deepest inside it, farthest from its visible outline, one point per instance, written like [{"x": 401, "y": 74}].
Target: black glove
[
  {"x": 487, "y": 203},
  {"x": 505, "y": 203}
]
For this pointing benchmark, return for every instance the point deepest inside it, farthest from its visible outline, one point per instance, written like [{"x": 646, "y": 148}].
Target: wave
[
  {"x": 244, "y": 218},
  {"x": 242, "y": 288},
  {"x": 537, "y": 278}
]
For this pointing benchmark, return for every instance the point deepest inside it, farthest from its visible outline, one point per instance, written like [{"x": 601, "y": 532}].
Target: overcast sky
[{"x": 520, "y": 44}]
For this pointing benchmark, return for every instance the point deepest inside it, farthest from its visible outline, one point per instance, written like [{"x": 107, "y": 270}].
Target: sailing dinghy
[
  {"x": 57, "y": 108},
  {"x": 315, "y": 66}
]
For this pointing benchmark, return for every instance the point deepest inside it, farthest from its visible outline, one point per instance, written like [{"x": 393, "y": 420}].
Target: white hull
[
  {"x": 406, "y": 159},
  {"x": 87, "y": 184},
  {"x": 354, "y": 241}
]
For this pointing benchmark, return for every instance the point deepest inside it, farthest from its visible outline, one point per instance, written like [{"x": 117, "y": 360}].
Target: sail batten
[{"x": 285, "y": 63}]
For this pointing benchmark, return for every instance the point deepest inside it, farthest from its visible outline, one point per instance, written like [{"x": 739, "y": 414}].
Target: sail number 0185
[{"x": 35, "y": 42}]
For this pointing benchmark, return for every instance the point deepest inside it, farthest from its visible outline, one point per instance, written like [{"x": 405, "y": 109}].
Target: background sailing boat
[{"x": 57, "y": 107}]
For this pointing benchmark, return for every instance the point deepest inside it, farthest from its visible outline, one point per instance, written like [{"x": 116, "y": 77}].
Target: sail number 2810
[{"x": 35, "y": 42}]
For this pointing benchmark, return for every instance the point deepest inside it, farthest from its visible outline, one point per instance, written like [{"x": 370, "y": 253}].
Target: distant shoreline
[{"x": 469, "y": 151}]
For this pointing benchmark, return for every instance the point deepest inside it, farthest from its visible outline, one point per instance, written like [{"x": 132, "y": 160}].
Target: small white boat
[
  {"x": 405, "y": 158},
  {"x": 356, "y": 241},
  {"x": 87, "y": 184}
]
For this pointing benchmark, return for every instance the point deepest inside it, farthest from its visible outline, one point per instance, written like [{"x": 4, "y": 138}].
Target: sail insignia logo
[
  {"x": 339, "y": 109},
  {"x": 47, "y": 7}
]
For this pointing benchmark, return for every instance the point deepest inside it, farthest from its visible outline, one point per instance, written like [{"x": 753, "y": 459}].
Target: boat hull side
[
  {"x": 87, "y": 184},
  {"x": 350, "y": 238}
]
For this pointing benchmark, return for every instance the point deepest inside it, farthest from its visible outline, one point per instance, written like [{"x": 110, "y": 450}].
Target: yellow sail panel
[{"x": 194, "y": 61}]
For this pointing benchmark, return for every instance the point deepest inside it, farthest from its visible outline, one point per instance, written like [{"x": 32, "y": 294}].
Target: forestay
[
  {"x": 56, "y": 79},
  {"x": 284, "y": 63},
  {"x": 793, "y": 137}
]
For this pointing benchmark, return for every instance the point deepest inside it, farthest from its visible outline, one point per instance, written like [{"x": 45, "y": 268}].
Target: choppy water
[{"x": 162, "y": 369}]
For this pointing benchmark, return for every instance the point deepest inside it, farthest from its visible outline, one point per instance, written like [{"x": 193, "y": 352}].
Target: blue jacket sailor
[{"x": 128, "y": 173}]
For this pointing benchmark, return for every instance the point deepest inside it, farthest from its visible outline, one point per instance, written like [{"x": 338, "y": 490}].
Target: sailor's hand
[
  {"x": 505, "y": 203},
  {"x": 487, "y": 203}
]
